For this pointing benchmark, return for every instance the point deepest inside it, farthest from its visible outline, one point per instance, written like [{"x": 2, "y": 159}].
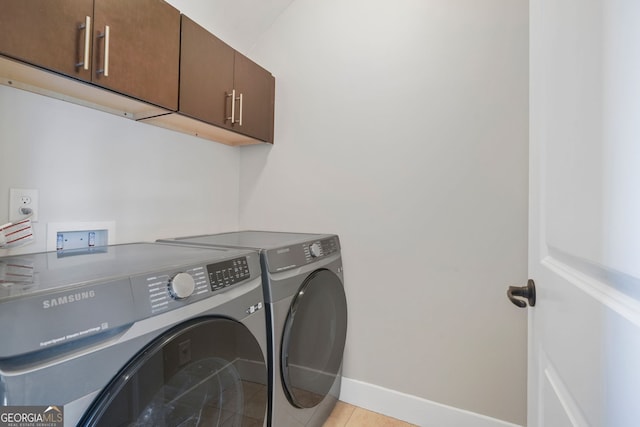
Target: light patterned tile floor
[{"x": 345, "y": 415}]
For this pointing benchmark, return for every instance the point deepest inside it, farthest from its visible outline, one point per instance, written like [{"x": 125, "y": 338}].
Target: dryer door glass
[
  {"x": 206, "y": 372},
  {"x": 314, "y": 338}
]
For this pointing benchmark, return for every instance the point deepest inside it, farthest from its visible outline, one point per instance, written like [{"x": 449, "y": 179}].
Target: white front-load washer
[
  {"x": 307, "y": 311},
  {"x": 139, "y": 334}
]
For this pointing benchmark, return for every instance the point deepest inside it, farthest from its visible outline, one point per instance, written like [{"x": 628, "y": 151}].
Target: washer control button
[
  {"x": 315, "y": 250},
  {"x": 181, "y": 286}
]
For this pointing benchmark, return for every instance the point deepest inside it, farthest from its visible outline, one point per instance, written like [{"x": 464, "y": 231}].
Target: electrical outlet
[{"x": 22, "y": 203}]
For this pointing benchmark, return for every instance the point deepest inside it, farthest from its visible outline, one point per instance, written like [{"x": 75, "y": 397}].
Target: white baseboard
[{"x": 412, "y": 409}]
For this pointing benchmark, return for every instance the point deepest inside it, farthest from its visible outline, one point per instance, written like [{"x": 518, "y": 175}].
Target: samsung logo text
[{"x": 68, "y": 299}]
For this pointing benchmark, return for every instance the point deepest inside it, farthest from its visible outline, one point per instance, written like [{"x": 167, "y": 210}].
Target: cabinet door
[
  {"x": 206, "y": 75},
  {"x": 143, "y": 50},
  {"x": 257, "y": 88},
  {"x": 48, "y": 34}
]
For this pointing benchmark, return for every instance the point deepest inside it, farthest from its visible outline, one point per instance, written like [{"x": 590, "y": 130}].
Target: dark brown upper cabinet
[
  {"x": 220, "y": 86},
  {"x": 75, "y": 49},
  {"x": 49, "y": 34},
  {"x": 129, "y": 47},
  {"x": 206, "y": 75},
  {"x": 255, "y": 88}
]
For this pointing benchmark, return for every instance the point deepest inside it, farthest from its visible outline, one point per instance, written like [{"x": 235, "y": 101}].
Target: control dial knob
[
  {"x": 315, "y": 250},
  {"x": 181, "y": 286}
]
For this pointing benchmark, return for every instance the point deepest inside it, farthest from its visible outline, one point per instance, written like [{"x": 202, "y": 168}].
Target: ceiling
[{"x": 240, "y": 23}]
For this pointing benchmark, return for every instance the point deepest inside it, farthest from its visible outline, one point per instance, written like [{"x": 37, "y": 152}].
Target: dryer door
[
  {"x": 314, "y": 336},
  {"x": 209, "y": 371}
]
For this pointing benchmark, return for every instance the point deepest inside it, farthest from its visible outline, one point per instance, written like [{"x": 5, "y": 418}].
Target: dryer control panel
[
  {"x": 320, "y": 248},
  {"x": 286, "y": 258}
]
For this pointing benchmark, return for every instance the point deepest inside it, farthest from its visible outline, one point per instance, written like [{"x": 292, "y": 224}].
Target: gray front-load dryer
[
  {"x": 307, "y": 311},
  {"x": 139, "y": 334}
]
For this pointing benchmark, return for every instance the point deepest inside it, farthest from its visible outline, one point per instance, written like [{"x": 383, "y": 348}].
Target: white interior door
[{"x": 584, "y": 247}]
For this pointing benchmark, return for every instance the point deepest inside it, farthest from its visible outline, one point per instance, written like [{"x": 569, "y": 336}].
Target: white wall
[
  {"x": 402, "y": 126},
  {"x": 93, "y": 166}
]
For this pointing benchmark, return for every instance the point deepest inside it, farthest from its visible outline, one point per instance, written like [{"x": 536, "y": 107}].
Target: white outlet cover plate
[
  {"x": 53, "y": 228},
  {"x": 15, "y": 204}
]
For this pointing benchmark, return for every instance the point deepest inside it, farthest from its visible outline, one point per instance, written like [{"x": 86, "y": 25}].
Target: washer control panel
[
  {"x": 227, "y": 273},
  {"x": 166, "y": 289},
  {"x": 172, "y": 289}
]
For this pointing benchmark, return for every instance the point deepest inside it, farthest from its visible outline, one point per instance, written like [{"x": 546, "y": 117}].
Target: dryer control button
[
  {"x": 315, "y": 250},
  {"x": 181, "y": 286}
]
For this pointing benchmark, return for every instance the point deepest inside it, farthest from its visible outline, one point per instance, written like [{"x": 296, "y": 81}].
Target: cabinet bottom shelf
[{"x": 191, "y": 126}]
